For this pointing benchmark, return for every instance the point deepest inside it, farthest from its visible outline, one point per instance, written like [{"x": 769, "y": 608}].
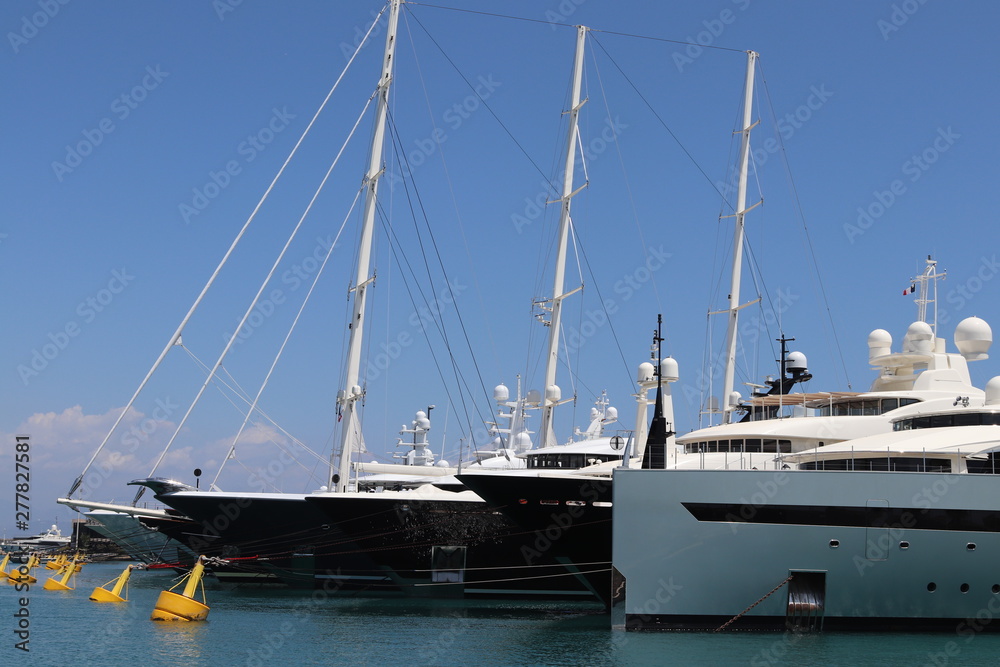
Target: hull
[
  {"x": 773, "y": 550},
  {"x": 451, "y": 548},
  {"x": 272, "y": 536},
  {"x": 559, "y": 517},
  {"x": 140, "y": 538}
]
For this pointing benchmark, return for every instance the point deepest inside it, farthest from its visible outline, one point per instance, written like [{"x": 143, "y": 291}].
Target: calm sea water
[{"x": 256, "y": 627}]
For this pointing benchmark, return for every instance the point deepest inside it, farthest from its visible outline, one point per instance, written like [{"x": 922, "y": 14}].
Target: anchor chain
[{"x": 767, "y": 595}]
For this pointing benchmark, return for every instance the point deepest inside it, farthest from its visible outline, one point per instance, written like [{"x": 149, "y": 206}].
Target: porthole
[
  {"x": 971, "y": 546},
  {"x": 834, "y": 544},
  {"x": 964, "y": 588},
  {"x": 996, "y": 588},
  {"x": 904, "y": 545},
  {"x": 931, "y": 587}
]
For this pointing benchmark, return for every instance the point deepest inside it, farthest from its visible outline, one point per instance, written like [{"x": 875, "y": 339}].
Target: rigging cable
[{"x": 805, "y": 227}]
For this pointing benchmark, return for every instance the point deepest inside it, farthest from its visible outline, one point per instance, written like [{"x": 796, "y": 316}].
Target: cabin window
[
  {"x": 889, "y": 404},
  {"x": 882, "y": 464}
]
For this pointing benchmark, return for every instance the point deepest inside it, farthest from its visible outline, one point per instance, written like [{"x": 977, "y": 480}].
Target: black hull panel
[
  {"x": 288, "y": 538},
  {"x": 444, "y": 548},
  {"x": 560, "y": 516}
]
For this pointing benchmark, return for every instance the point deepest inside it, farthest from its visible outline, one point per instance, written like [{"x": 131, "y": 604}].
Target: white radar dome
[
  {"x": 611, "y": 414},
  {"x": 879, "y": 344},
  {"x": 501, "y": 393},
  {"x": 534, "y": 397},
  {"x": 669, "y": 370},
  {"x": 796, "y": 361},
  {"x": 993, "y": 391},
  {"x": 553, "y": 393},
  {"x": 973, "y": 338},
  {"x": 521, "y": 442},
  {"x": 645, "y": 373},
  {"x": 919, "y": 338}
]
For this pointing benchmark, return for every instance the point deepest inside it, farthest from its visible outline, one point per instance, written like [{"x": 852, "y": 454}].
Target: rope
[{"x": 737, "y": 616}]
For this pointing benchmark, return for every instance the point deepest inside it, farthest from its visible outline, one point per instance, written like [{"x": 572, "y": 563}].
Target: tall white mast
[
  {"x": 741, "y": 198},
  {"x": 347, "y": 398},
  {"x": 552, "y": 393}
]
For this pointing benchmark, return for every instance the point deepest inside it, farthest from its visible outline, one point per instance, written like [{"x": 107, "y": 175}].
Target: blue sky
[{"x": 139, "y": 137}]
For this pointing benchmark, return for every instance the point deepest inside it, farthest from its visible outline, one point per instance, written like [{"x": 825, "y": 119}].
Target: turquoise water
[{"x": 256, "y": 627}]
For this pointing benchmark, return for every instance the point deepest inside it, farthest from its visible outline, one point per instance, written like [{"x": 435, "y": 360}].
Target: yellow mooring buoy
[
  {"x": 58, "y": 582},
  {"x": 56, "y": 563},
  {"x": 22, "y": 574},
  {"x": 102, "y": 594},
  {"x": 3, "y": 565},
  {"x": 183, "y": 607}
]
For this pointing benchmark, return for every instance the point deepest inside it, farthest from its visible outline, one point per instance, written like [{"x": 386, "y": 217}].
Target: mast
[
  {"x": 348, "y": 397},
  {"x": 930, "y": 275},
  {"x": 741, "y": 197},
  {"x": 552, "y": 394}
]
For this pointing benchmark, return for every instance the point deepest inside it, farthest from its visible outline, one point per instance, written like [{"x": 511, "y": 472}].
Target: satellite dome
[
  {"x": 993, "y": 391},
  {"x": 973, "y": 338},
  {"x": 645, "y": 373},
  {"x": 611, "y": 414},
  {"x": 796, "y": 361},
  {"x": 919, "y": 338},
  {"x": 668, "y": 369},
  {"x": 521, "y": 441},
  {"x": 879, "y": 344},
  {"x": 534, "y": 397},
  {"x": 501, "y": 393},
  {"x": 553, "y": 393}
]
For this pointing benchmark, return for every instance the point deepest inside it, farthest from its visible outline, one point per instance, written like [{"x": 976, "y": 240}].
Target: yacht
[
  {"x": 569, "y": 511},
  {"x": 49, "y": 540},
  {"x": 895, "y": 530},
  {"x": 412, "y": 539}
]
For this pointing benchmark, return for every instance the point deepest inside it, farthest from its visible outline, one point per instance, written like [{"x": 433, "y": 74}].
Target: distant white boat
[{"x": 49, "y": 540}]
